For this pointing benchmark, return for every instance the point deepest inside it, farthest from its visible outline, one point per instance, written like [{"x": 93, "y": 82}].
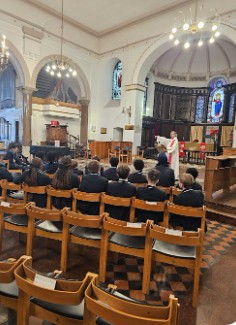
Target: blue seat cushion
[
  {"x": 127, "y": 241},
  {"x": 17, "y": 219},
  {"x": 86, "y": 233},
  {"x": 71, "y": 311}
]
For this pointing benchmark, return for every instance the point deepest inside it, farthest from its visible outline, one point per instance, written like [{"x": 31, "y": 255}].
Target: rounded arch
[
  {"x": 19, "y": 64},
  {"x": 81, "y": 77},
  {"x": 161, "y": 45}
]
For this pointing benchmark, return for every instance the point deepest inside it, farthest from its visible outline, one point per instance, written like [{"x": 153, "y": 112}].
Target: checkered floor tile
[{"x": 167, "y": 279}]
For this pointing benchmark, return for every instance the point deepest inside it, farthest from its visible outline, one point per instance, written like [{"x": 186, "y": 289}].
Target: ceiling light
[
  {"x": 61, "y": 65},
  {"x": 211, "y": 40},
  {"x": 186, "y": 45},
  {"x": 193, "y": 23}
]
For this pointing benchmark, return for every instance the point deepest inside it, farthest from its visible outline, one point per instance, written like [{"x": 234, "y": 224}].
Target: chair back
[
  {"x": 188, "y": 212},
  {"x": 12, "y": 208},
  {"x": 82, "y": 220},
  {"x": 119, "y": 310},
  {"x": 56, "y": 193},
  {"x": 140, "y": 184},
  {"x": 148, "y": 206},
  {"x": 165, "y": 189},
  {"x": 9, "y": 186},
  {"x": 32, "y": 190},
  {"x": 35, "y": 212},
  {"x": 174, "y": 192},
  {"x": 84, "y": 196},
  {"x": 114, "y": 200},
  {"x": 7, "y": 268}
]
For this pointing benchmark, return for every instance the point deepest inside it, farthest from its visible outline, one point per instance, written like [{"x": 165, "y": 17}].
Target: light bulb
[
  {"x": 70, "y": 69},
  {"x": 200, "y": 24},
  {"x": 176, "y": 42},
  {"x": 67, "y": 75},
  {"x": 200, "y": 43},
  {"x": 4, "y": 37},
  {"x": 74, "y": 73},
  {"x": 214, "y": 27},
  {"x": 211, "y": 40},
  {"x": 59, "y": 74},
  {"x": 186, "y": 45},
  {"x": 63, "y": 67},
  {"x": 174, "y": 30},
  {"x": 52, "y": 73},
  {"x": 185, "y": 26},
  {"x": 48, "y": 68},
  {"x": 171, "y": 36},
  {"x": 54, "y": 67},
  {"x": 7, "y": 54},
  {"x": 217, "y": 34}
]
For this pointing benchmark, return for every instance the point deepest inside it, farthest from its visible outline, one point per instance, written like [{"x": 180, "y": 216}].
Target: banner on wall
[{"x": 181, "y": 148}]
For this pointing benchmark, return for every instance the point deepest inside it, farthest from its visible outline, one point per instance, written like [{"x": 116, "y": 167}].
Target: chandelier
[
  {"x": 4, "y": 54},
  {"x": 59, "y": 65},
  {"x": 193, "y": 25}
]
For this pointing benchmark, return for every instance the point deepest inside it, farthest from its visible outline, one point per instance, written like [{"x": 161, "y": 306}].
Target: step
[{"x": 221, "y": 216}]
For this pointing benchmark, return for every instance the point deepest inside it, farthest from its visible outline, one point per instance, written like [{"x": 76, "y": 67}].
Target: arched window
[
  {"x": 117, "y": 81},
  {"x": 216, "y": 100},
  {"x": 199, "y": 109}
]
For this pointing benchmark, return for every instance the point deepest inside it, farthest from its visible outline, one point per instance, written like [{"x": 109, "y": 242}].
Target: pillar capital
[
  {"x": 84, "y": 102},
  {"x": 138, "y": 87},
  {"x": 26, "y": 90}
]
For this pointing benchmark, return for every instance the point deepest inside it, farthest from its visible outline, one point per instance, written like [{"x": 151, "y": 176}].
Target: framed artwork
[{"x": 103, "y": 131}]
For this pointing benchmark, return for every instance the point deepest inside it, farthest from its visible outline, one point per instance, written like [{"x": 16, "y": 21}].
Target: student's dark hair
[
  {"x": 96, "y": 158},
  {"x": 62, "y": 177},
  {"x": 187, "y": 180},
  {"x": 114, "y": 161},
  {"x": 192, "y": 171},
  {"x": 93, "y": 166},
  {"x": 31, "y": 177},
  {"x": 51, "y": 156},
  {"x": 13, "y": 145},
  {"x": 153, "y": 175},
  {"x": 40, "y": 154},
  {"x": 123, "y": 171},
  {"x": 138, "y": 164}
]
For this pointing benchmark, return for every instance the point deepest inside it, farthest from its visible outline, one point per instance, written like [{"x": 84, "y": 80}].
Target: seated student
[
  {"x": 188, "y": 197},
  {"x": 152, "y": 194},
  {"x": 40, "y": 154},
  {"x": 138, "y": 177},
  {"x": 75, "y": 169},
  {"x": 111, "y": 173},
  {"x": 193, "y": 171},
  {"x": 35, "y": 177},
  {"x": 5, "y": 174},
  {"x": 64, "y": 179},
  {"x": 12, "y": 155},
  {"x": 166, "y": 176},
  {"x": 93, "y": 182},
  {"x": 86, "y": 171},
  {"x": 122, "y": 188},
  {"x": 51, "y": 165}
]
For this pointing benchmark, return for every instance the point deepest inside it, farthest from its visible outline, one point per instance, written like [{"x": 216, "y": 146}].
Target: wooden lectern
[
  {"x": 57, "y": 132},
  {"x": 220, "y": 174}
]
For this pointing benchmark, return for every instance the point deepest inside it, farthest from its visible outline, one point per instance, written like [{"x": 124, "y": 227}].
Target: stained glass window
[
  {"x": 199, "y": 109},
  {"x": 216, "y": 100},
  {"x": 231, "y": 108},
  {"x": 117, "y": 81}
]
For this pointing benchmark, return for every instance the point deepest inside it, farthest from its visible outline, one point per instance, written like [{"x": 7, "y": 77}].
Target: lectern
[{"x": 57, "y": 132}]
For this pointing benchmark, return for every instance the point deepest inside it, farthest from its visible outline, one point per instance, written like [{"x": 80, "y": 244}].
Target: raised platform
[{"x": 223, "y": 206}]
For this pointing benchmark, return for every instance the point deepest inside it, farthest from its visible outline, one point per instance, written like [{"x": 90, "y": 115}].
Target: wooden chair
[
  {"x": 12, "y": 217},
  {"x": 32, "y": 190},
  {"x": 60, "y": 305},
  {"x": 79, "y": 229},
  {"x": 179, "y": 210},
  {"x": 114, "y": 152},
  {"x": 45, "y": 223},
  {"x": 50, "y": 175},
  {"x": 140, "y": 184},
  {"x": 149, "y": 206},
  {"x": 117, "y": 309},
  {"x": 8, "y": 287},
  {"x": 114, "y": 201},
  {"x": 165, "y": 189},
  {"x": 52, "y": 192},
  {"x": 86, "y": 197},
  {"x": 174, "y": 247},
  {"x": 122, "y": 237},
  {"x": 9, "y": 186},
  {"x": 125, "y": 155},
  {"x": 174, "y": 192}
]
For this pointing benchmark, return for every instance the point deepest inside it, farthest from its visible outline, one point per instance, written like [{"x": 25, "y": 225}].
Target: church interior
[{"x": 130, "y": 81}]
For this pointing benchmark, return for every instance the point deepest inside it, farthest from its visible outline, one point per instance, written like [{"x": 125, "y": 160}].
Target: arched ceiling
[{"x": 197, "y": 63}]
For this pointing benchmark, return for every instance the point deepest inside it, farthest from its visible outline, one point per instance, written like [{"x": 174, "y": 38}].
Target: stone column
[
  {"x": 27, "y": 112},
  {"x": 84, "y": 121}
]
